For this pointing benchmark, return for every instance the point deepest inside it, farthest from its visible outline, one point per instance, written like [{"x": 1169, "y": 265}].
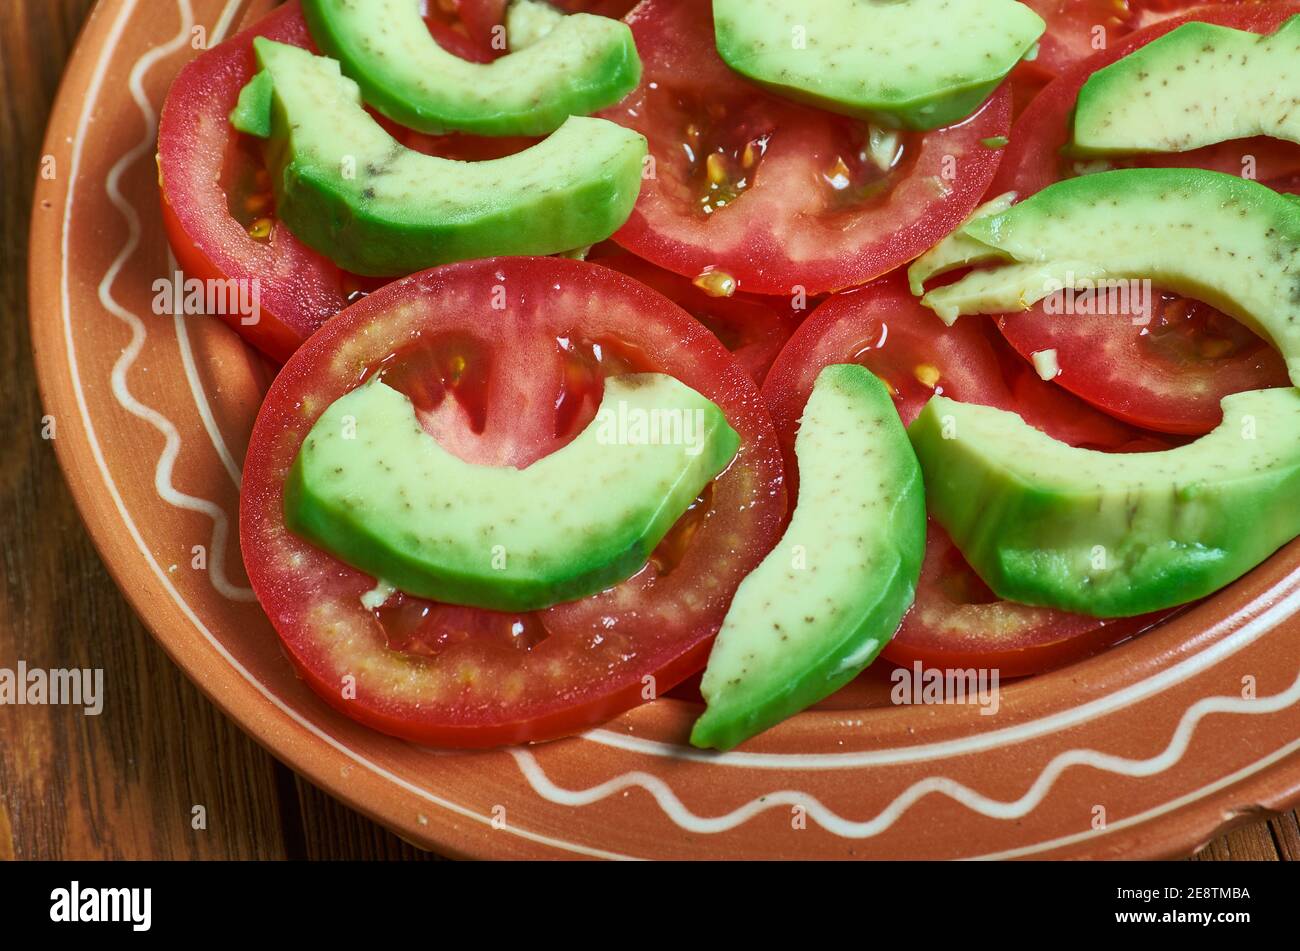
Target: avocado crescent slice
[
  {"x": 914, "y": 64},
  {"x": 833, "y": 591},
  {"x": 1195, "y": 86},
  {"x": 1113, "y": 535},
  {"x": 371, "y": 487},
  {"x": 1230, "y": 242},
  {"x": 348, "y": 189},
  {"x": 567, "y": 66}
]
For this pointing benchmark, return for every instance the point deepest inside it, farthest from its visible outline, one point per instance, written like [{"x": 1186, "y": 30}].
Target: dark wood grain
[{"x": 124, "y": 784}]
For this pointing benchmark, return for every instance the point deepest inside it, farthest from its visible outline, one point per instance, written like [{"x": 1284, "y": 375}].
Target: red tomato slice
[
  {"x": 1170, "y": 374},
  {"x": 215, "y": 191},
  {"x": 956, "y": 620},
  {"x": 753, "y": 328},
  {"x": 218, "y": 208},
  {"x": 1076, "y": 29},
  {"x": 885, "y": 329},
  {"x": 505, "y": 387},
  {"x": 777, "y": 195}
]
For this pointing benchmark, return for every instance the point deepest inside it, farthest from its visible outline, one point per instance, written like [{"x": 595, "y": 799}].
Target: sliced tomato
[
  {"x": 217, "y": 203},
  {"x": 1171, "y": 373},
  {"x": 1076, "y": 29},
  {"x": 506, "y": 385},
  {"x": 956, "y": 621},
  {"x": 218, "y": 207},
  {"x": 774, "y": 195},
  {"x": 885, "y": 329},
  {"x": 753, "y": 328}
]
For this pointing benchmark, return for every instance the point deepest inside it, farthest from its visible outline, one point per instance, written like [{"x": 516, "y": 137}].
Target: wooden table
[{"x": 124, "y": 785}]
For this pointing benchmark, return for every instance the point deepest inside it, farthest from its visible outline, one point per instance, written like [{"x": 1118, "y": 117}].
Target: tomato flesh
[
  {"x": 753, "y": 328},
  {"x": 779, "y": 197},
  {"x": 1171, "y": 373},
  {"x": 488, "y": 383}
]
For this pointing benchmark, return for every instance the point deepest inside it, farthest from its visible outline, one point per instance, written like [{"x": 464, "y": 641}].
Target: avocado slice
[
  {"x": 371, "y": 487},
  {"x": 1232, "y": 243},
  {"x": 1113, "y": 535},
  {"x": 831, "y": 594},
  {"x": 1197, "y": 85},
  {"x": 562, "y": 66},
  {"x": 349, "y": 190},
  {"x": 913, "y": 64}
]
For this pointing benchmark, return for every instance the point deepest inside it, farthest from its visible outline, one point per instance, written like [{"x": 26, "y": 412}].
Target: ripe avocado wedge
[
  {"x": 572, "y": 66},
  {"x": 914, "y": 64},
  {"x": 1112, "y": 535},
  {"x": 349, "y": 190},
  {"x": 831, "y": 594},
  {"x": 1232, "y": 243},
  {"x": 1194, "y": 86},
  {"x": 371, "y": 487}
]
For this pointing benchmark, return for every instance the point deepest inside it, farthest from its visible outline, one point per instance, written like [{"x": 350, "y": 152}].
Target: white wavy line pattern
[
  {"x": 828, "y": 819},
  {"x": 121, "y": 390}
]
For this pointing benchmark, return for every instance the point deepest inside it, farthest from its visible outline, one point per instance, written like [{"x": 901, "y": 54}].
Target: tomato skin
[
  {"x": 794, "y": 221},
  {"x": 298, "y": 289},
  {"x": 591, "y": 657}
]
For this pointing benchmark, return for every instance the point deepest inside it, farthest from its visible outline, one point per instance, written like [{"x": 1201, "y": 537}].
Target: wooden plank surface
[{"x": 125, "y": 784}]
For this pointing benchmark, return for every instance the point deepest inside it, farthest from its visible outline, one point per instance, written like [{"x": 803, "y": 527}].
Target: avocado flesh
[
  {"x": 581, "y": 64},
  {"x": 1113, "y": 535},
  {"x": 391, "y": 502},
  {"x": 349, "y": 190},
  {"x": 1232, "y": 243},
  {"x": 1194, "y": 86},
  {"x": 914, "y": 64},
  {"x": 829, "y": 597}
]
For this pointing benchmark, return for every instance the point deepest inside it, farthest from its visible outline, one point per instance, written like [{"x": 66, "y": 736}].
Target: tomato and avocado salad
[{"x": 629, "y": 343}]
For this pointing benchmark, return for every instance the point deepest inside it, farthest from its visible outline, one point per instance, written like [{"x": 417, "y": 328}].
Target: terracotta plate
[{"x": 1148, "y": 750}]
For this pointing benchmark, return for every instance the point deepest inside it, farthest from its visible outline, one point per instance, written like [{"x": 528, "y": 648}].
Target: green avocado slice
[
  {"x": 914, "y": 64},
  {"x": 349, "y": 190},
  {"x": 1232, "y": 243},
  {"x": 572, "y": 66},
  {"x": 1195, "y": 86},
  {"x": 1113, "y": 535},
  {"x": 371, "y": 487},
  {"x": 828, "y": 598}
]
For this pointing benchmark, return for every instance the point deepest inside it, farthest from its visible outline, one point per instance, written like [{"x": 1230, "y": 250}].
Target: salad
[{"x": 758, "y": 341}]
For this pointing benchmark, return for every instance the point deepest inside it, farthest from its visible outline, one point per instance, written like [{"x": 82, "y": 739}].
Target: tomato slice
[
  {"x": 885, "y": 329},
  {"x": 776, "y": 195},
  {"x": 956, "y": 620},
  {"x": 1076, "y": 29},
  {"x": 506, "y": 385},
  {"x": 752, "y": 327},
  {"x": 1171, "y": 373},
  {"x": 217, "y": 202},
  {"x": 218, "y": 208}
]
